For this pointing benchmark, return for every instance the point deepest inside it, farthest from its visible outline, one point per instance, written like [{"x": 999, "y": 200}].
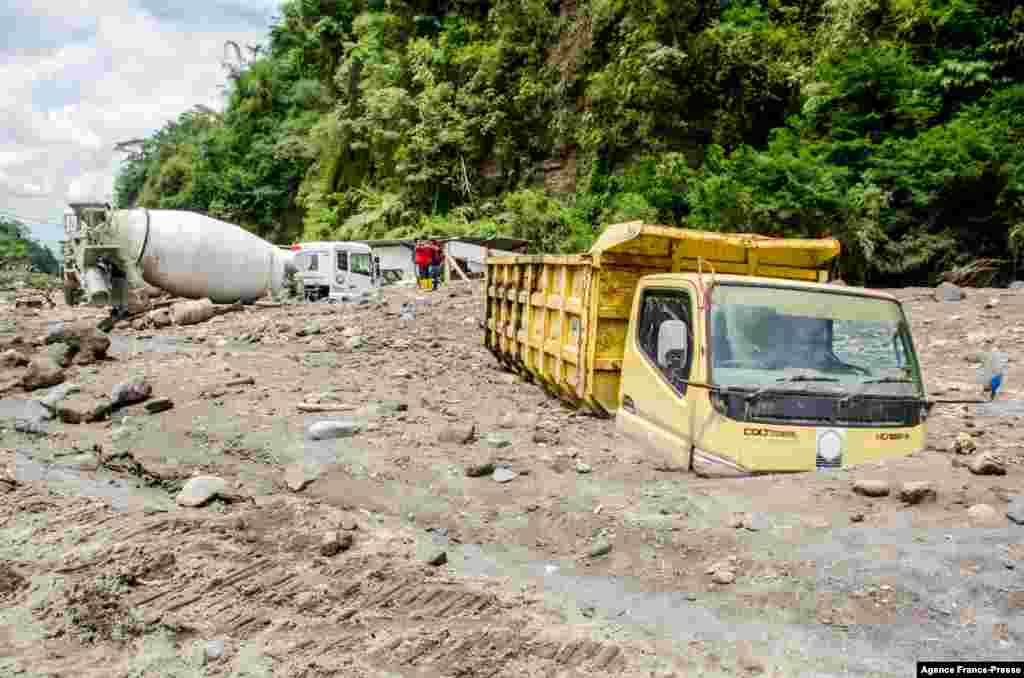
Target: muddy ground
[{"x": 592, "y": 560}]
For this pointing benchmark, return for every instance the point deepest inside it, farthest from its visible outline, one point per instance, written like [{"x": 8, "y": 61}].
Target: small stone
[
  {"x": 601, "y": 548},
  {"x": 856, "y": 517},
  {"x": 983, "y": 515},
  {"x": 129, "y": 392},
  {"x": 723, "y": 576},
  {"x": 948, "y": 292},
  {"x": 546, "y": 437},
  {"x": 298, "y": 476},
  {"x": 1015, "y": 511},
  {"x": 355, "y": 343},
  {"x": 735, "y": 521},
  {"x": 159, "y": 405},
  {"x": 513, "y": 420},
  {"x": 756, "y": 522},
  {"x": 30, "y": 426},
  {"x": 309, "y": 330},
  {"x": 334, "y": 543},
  {"x": 329, "y": 430},
  {"x": 964, "y": 444},
  {"x": 61, "y": 354},
  {"x": 214, "y": 649},
  {"x": 986, "y": 464},
  {"x": 13, "y": 358},
  {"x": 992, "y": 303},
  {"x": 458, "y": 434},
  {"x": 480, "y": 470},
  {"x": 871, "y": 488},
  {"x": 503, "y": 474},
  {"x": 42, "y": 373},
  {"x": 496, "y": 440},
  {"x": 918, "y": 492},
  {"x": 201, "y": 489},
  {"x": 583, "y": 468},
  {"x": 437, "y": 559}
]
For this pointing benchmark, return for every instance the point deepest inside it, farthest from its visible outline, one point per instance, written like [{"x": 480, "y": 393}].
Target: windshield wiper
[
  {"x": 786, "y": 380},
  {"x": 884, "y": 380}
]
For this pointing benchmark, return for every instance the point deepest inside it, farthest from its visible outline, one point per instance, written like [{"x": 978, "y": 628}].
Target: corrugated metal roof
[{"x": 498, "y": 242}]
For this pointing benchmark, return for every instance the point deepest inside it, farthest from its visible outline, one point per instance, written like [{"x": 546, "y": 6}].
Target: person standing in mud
[
  {"x": 437, "y": 260},
  {"x": 423, "y": 260}
]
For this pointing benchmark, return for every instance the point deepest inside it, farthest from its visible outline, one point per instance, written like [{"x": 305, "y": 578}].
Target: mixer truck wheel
[{"x": 72, "y": 295}]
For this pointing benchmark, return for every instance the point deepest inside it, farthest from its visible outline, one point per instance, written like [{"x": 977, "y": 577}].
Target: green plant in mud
[{"x": 92, "y": 612}]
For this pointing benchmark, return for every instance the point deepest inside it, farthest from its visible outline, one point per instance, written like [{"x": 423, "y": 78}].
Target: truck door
[
  {"x": 656, "y": 366},
  {"x": 340, "y": 281},
  {"x": 360, "y": 271}
]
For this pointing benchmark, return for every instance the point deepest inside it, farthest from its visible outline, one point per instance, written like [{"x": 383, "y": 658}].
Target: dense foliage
[
  {"x": 17, "y": 245},
  {"x": 894, "y": 125}
]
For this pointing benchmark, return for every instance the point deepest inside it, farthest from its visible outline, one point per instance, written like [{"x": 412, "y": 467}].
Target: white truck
[{"x": 336, "y": 271}]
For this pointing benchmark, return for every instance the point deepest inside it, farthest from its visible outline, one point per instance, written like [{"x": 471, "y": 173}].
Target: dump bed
[{"x": 564, "y": 319}]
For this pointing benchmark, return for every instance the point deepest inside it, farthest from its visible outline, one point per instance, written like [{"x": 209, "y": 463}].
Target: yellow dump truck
[{"x": 726, "y": 354}]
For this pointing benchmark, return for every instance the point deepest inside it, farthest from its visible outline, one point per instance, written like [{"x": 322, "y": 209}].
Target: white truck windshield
[{"x": 761, "y": 336}]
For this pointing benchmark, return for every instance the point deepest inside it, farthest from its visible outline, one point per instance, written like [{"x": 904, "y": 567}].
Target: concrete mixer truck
[{"x": 110, "y": 254}]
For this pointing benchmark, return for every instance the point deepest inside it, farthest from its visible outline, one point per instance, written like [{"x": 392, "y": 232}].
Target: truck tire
[{"x": 72, "y": 295}]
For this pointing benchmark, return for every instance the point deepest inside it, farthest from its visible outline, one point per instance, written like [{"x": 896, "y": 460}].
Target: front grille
[
  {"x": 820, "y": 462},
  {"x": 803, "y": 409}
]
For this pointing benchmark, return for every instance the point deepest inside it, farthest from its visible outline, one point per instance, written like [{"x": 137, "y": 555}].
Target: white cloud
[{"x": 119, "y": 71}]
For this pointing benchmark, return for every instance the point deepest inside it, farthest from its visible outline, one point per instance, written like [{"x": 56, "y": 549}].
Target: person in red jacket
[
  {"x": 424, "y": 257},
  {"x": 437, "y": 263}
]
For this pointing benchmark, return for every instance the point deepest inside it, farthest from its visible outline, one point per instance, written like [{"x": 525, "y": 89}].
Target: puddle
[
  {"x": 121, "y": 494},
  {"x": 802, "y": 648},
  {"x": 1000, "y": 408}
]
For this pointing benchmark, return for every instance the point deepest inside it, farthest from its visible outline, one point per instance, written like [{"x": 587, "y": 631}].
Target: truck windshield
[{"x": 766, "y": 336}]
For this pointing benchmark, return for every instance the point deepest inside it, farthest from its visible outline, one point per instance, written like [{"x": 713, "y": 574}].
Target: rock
[
  {"x": 1017, "y": 284},
  {"x": 735, "y": 521},
  {"x": 85, "y": 343},
  {"x": 201, "y": 489},
  {"x": 50, "y": 399},
  {"x": 948, "y": 292},
  {"x": 13, "y": 358},
  {"x": 459, "y": 434},
  {"x": 131, "y": 391},
  {"x": 496, "y": 440},
  {"x": 160, "y": 317},
  {"x": 159, "y": 405},
  {"x": 480, "y": 470},
  {"x": 318, "y": 346},
  {"x": 1015, "y": 511},
  {"x": 30, "y": 426},
  {"x": 518, "y": 420},
  {"x": 355, "y": 343},
  {"x": 918, "y": 492},
  {"x": 723, "y": 576},
  {"x": 546, "y": 437},
  {"x": 334, "y": 543},
  {"x": 992, "y": 303},
  {"x": 964, "y": 444},
  {"x": 309, "y": 330},
  {"x": 856, "y": 517},
  {"x": 582, "y": 467},
  {"x": 41, "y": 373},
  {"x": 871, "y": 488},
  {"x": 78, "y": 409},
  {"x": 601, "y": 548},
  {"x": 387, "y": 407},
  {"x": 503, "y": 474},
  {"x": 140, "y": 323},
  {"x": 214, "y": 649},
  {"x": 986, "y": 464},
  {"x": 439, "y": 558},
  {"x": 983, "y": 514},
  {"x": 298, "y": 476},
  {"x": 747, "y": 660},
  {"x": 755, "y": 522},
  {"x": 330, "y": 430}
]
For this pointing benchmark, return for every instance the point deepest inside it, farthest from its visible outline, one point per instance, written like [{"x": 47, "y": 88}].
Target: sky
[{"x": 79, "y": 77}]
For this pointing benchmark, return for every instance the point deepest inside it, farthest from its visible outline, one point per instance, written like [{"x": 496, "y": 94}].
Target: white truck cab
[{"x": 336, "y": 271}]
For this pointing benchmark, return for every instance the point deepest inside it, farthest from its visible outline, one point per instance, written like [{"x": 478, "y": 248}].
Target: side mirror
[{"x": 673, "y": 337}]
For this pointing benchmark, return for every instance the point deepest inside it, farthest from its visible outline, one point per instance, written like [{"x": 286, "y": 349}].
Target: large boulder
[{"x": 42, "y": 373}]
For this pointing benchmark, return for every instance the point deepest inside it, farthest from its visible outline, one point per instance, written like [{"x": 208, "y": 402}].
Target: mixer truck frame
[{"x": 722, "y": 354}]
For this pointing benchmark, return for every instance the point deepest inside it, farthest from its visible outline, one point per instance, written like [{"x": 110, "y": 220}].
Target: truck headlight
[{"x": 339, "y": 279}]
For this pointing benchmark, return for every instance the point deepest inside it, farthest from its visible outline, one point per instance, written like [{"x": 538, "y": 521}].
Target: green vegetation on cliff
[
  {"x": 894, "y": 125},
  {"x": 17, "y": 245}
]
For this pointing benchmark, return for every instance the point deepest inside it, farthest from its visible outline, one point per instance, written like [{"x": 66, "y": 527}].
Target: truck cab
[
  {"x": 733, "y": 375},
  {"x": 336, "y": 271},
  {"x": 724, "y": 354}
]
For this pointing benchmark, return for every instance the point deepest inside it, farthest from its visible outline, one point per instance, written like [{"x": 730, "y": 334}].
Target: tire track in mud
[{"x": 368, "y": 610}]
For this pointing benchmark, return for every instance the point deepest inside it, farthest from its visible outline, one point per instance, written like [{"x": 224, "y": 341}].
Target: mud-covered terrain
[{"x": 453, "y": 520}]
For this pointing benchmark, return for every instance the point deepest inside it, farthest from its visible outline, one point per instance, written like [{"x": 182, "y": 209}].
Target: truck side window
[
  {"x": 666, "y": 335},
  {"x": 342, "y": 260}
]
